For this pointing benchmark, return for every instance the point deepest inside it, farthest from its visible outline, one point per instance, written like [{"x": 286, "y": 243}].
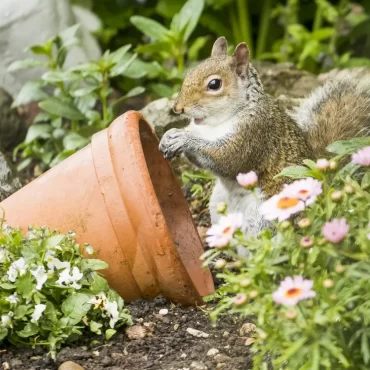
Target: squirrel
[{"x": 235, "y": 127}]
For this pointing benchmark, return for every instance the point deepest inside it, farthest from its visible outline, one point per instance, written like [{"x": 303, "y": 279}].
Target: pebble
[
  {"x": 225, "y": 334},
  {"x": 183, "y": 355},
  {"x": 35, "y": 358},
  {"x": 163, "y": 311},
  {"x": 15, "y": 362},
  {"x": 70, "y": 365},
  {"x": 176, "y": 326},
  {"x": 220, "y": 358},
  {"x": 106, "y": 361},
  {"x": 213, "y": 352},
  {"x": 116, "y": 355},
  {"x": 197, "y": 333},
  {"x": 247, "y": 329},
  {"x": 136, "y": 332},
  {"x": 5, "y": 365},
  {"x": 196, "y": 365}
]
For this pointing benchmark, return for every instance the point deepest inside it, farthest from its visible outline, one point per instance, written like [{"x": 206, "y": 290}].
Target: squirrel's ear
[
  {"x": 219, "y": 47},
  {"x": 241, "y": 55}
]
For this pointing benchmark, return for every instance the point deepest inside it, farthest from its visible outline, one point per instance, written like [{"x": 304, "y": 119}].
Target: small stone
[
  {"x": 15, "y": 362},
  {"x": 5, "y": 366},
  {"x": 220, "y": 358},
  {"x": 35, "y": 358},
  {"x": 197, "y": 333},
  {"x": 220, "y": 365},
  {"x": 116, "y": 355},
  {"x": 183, "y": 355},
  {"x": 136, "y": 332},
  {"x": 246, "y": 329},
  {"x": 212, "y": 352},
  {"x": 95, "y": 353},
  {"x": 225, "y": 334},
  {"x": 106, "y": 361},
  {"x": 70, "y": 365},
  {"x": 163, "y": 311},
  {"x": 176, "y": 326},
  {"x": 197, "y": 365}
]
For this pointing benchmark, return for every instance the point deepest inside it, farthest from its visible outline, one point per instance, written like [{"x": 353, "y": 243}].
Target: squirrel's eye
[{"x": 214, "y": 84}]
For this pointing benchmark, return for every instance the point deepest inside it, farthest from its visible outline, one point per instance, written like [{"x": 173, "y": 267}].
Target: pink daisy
[
  {"x": 221, "y": 234},
  {"x": 336, "y": 230},
  {"x": 293, "y": 290},
  {"x": 281, "y": 206},
  {"x": 247, "y": 180},
  {"x": 362, "y": 157},
  {"x": 306, "y": 190}
]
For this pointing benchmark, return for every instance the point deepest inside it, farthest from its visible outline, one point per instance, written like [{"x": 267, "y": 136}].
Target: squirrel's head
[{"x": 214, "y": 90}]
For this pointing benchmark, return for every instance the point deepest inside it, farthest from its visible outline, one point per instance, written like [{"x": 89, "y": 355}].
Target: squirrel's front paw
[{"x": 173, "y": 142}]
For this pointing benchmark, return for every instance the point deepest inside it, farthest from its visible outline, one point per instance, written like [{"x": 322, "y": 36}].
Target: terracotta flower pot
[{"x": 121, "y": 196}]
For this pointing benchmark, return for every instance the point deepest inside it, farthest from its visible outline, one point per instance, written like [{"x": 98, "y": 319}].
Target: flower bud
[
  {"x": 328, "y": 283},
  {"x": 322, "y": 164},
  {"x": 340, "y": 268},
  {"x": 306, "y": 242},
  {"x": 349, "y": 189},
  {"x": 220, "y": 264},
  {"x": 333, "y": 297},
  {"x": 301, "y": 266},
  {"x": 285, "y": 224},
  {"x": 304, "y": 223},
  {"x": 240, "y": 299},
  {"x": 333, "y": 164},
  {"x": 336, "y": 195},
  {"x": 245, "y": 282},
  {"x": 263, "y": 335},
  {"x": 291, "y": 314},
  {"x": 253, "y": 294}
]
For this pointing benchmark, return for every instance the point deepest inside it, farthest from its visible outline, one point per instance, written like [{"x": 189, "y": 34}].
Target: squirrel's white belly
[{"x": 238, "y": 200}]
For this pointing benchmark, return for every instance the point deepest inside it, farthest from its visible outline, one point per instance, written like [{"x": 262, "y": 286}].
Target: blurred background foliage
[{"x": 316, "y": 35}]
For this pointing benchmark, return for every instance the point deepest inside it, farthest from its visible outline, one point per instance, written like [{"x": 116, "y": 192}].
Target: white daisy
[
  {"x": 281, "y": 206},
  {"x": 39, "y": 309}
]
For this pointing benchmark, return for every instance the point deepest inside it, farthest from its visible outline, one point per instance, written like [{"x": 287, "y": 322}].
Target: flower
[
  {"x": 336, "y": 195},
  {"x": 220, "y": 264},
  {"x": 349, "y": 189},
  {"x": 336, "y": 230},
  {"x": 17, "y": 267},
  {"x": 39, "y": 309},
  {"x": 240, "y": 299},
  {"x": 247, "y": 180},
  {"x": 293, "y": 290},
  {"x": 220, "y": 235},
  {"x": 306, "y": 242},
  {"x": 6, "y": 320},
  {"x": 55, "y": 263},
  {"x": 13, "y": 299},
  {"x": 98, "y": 301},
  {"x": 3, "y": 255},
  {"x": 40, "y": 275},
  {"x": 306, "y": 190},
  {"x": 70, "y": 280},
  {"x": 281, "y": 206},
  {"x": 89, "y": 249},
  {"x": 322, "y": 164},
  {"x": 111, "y": 310},
  {"x": 333, "y": 164},
  {"x": 304, "y": 223},
  {"x": 362, "y": 157},
  {"x": 328, "y": 283}
]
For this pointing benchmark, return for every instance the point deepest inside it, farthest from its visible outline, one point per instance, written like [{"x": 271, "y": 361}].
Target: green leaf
[
  {"x": 109, "y": 333},
  {"x": 41, "y": 49},
  {"x": 95, "y": 327},
  {"x": 133, "y": 92},
  {"x": 74, "y": 141},
  {"x": 291, "y": 351},
  {"x": 93, "y": 264},
  {"x": 25, "y": 286},
  {"x": 189, "y": 16},
  {"x": 24, "y": 64},
  {"x": 196, "y": 46},
  {"x": 31, "y": 91},
  {"x": 151, "y": 28},
  {"x": 118, "y": 55},
  {"x": 98, "y": 285},
  {"x": 323, "y": 33},
  {"x": 53, "y": 241},
  {"x": 344, "y": 147},
  {"x": 84, "y": 91},
  {"x": 7, "y": 286},
  {"x": 20, "y": 312},
  {"x": 51, "y": 312},
  {"x": 162, "y": 90},
  {"x": 24, "y": 164},
  {"x": 60, "y": 76},
  {"x": 41, "y": 130},
  {"x": 120, "y": 68},
  {"x": 29, "y": 330},
  {"x": 296, "y": 172},
  {"x": 3, "y": 333},
  {"x": 61, "y": 108},
  {"x": 75, "y": 307}
]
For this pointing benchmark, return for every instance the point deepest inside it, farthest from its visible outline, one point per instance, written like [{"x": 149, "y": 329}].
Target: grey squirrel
[{"x": 235, "y": 127}]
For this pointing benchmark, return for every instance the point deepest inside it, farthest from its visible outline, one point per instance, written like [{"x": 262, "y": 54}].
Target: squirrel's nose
[{"x": 178, "y": 108}]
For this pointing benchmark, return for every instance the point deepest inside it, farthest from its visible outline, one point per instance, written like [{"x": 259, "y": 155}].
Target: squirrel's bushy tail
[{"x": 338, "y": 110}]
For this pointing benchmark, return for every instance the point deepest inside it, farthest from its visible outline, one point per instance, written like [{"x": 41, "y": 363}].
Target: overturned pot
[{"x": 121, "y": 196}]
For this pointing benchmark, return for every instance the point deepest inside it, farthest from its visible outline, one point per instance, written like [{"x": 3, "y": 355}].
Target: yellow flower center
[
  {"x": 293, "y": 292},
  {"x": 286, "y": 202}
]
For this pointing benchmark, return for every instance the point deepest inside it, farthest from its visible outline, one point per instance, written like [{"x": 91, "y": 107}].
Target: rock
[
  {"x": 140, "y": 332},
  {"x": 197, "y": 365},
  {"x": 212, "y": 352},
  {"x": 106, "y": 361},
  {"x": 225, "y": 334},
  {"x": 220, "y": 358},
  {"x": 10, "y": 182},
  {"x": 116, "y": 355},
  {"x": 197, "y": 333},
  {"x": 176, "y": 326},
  {"x": 246, "y": 329},
  {"x": 163, "y": 311},
  {"x": 183, "y": 355},
  {"x": 5, "y": 365},
  {"x": 70, "y": 365},
  {"x": 15, "y": 362},
  {"x": 249, "y": 341}
]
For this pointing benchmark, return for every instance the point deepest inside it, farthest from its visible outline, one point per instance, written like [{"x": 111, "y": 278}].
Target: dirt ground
[{"x": 168, "y": 345}]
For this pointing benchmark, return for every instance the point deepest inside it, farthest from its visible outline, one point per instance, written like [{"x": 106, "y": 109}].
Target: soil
[{"x": 169, "y": 345}]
